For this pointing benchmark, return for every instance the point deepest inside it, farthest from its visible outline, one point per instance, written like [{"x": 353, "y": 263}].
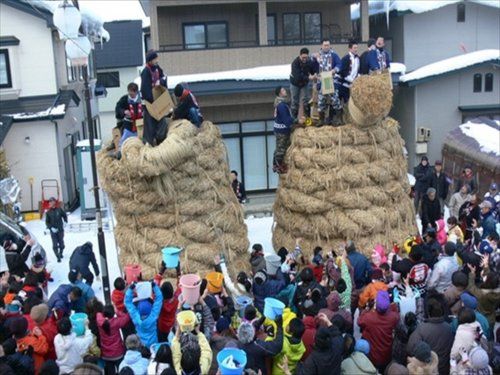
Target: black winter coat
[
  {"x": 326, "y": 361},
  {"x": 54, "y": 218},
  {"x": 16, "y": 261},
  {"x": 431, "y": 212},
  {"x": 82, "y": 257},
  {"x": 431, "y": 253},
  {"x": 364, "y": 66},
  {"x": 258, "y": 350},
  {"x": 147, "y": 82},
  {"x": 423, "y": 176},
  {"x": 121, "y": 106},
  {"x": 301, "y": 71},
  {"x": 441, "y": 184}
]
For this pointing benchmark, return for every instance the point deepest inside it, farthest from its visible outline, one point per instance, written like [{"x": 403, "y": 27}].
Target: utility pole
[{"x": 98, "y": 215}]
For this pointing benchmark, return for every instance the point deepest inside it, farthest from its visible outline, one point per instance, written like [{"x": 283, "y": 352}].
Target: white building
[{"x": 41, "y": 101}]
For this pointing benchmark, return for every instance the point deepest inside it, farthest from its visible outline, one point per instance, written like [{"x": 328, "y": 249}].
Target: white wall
[
  {"x": 107, "y": 104},
  {"x": 38, "y": 159},
  {"x": 32, "y": 61}
]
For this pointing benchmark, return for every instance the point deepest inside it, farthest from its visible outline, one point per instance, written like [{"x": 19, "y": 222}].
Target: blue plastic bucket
[
  {"x": 241, "y": 303},
  {"x": 171, "y": 256},
  {"x": 78, "y": 323},
  {"x": 239, "y": 360},
  {"x": 273, "y": 308}
]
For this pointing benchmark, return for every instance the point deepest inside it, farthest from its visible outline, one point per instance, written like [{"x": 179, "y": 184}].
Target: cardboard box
[
  {"x": 162, "y": 104},
  {"x": 327, "y": 87},
  {"x": 139, "y": 124}
]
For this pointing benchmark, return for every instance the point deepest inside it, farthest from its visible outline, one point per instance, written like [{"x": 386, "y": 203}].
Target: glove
[
  {"x": 132, "y": 286},
  {"x": 54, "y": 230}
]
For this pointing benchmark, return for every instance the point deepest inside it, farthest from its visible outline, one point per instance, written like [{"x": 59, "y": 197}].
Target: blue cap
[
  {"x": 362, "y": 346},
  {"x": 485, "y": 247},
  {"x": 144, "y": 308},
  {"x": 469, "y": 300}
]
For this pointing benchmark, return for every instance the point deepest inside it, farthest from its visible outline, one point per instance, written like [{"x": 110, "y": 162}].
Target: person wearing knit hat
[
  {"x": 222, "y": 324},
  {"x": 246, "y": 333},
  {"x": 478, "y": 359},
  {"x": 152, "y": 76},
  {"x": 362, "y": 346},
  {"x": 424, "y": 360},
  {"x": 187, "y": 106},
  {"x": 39, "y": 313}
]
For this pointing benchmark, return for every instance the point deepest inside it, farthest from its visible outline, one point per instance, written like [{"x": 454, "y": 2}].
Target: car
[{"x": 10, "y": 230}]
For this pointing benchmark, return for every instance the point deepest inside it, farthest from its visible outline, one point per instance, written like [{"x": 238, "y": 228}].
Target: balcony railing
[{"x": 337, "y": 39}]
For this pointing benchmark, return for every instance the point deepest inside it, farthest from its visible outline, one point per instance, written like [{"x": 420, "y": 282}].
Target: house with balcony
[
  {"x": 233, "y": 54},
  {"x": 42, "y": 111}
]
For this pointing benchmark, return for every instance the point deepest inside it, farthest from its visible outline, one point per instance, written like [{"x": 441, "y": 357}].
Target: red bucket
[{"x": 132, "y": 273}]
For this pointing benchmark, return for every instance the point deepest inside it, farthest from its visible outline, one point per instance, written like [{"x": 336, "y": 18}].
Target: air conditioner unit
[
  {"x": 427, "y": 135},
  {"x": 421, "y": 134}
]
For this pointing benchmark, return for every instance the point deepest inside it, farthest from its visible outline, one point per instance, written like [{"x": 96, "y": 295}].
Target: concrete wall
[
  {"x": 32, "y": 61},
  {"x": 436, "y": 35},
  {"x": 403, "y": 110},
  {"x": 394, "y": 34},
  {"x": 38, "y": 159}
]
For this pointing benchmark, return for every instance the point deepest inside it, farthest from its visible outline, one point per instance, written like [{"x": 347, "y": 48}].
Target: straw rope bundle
[
  {"x": 179, "y": 194},
  {"x": 347, "y": 182}
]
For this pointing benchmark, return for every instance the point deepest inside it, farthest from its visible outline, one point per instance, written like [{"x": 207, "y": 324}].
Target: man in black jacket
[
  {"x": 54, "y": 221},
  {"x": 16, "y": 259},
  {"x": 187, "y": 106},
  {"x": 440, "y": 182},
  {"x": 423, "y": 177},
  {"x": 238, "y": 188},
  {"x": 81, "y": 259},
  {"x": 364, "y": 66},
  {"x": 431, "y": 210},
  {"x": 129, "y": 109},
  {"x": 303, "y": 71},
  {"x": 349, "y": 68},
  {"x": 152, "y": 76}
]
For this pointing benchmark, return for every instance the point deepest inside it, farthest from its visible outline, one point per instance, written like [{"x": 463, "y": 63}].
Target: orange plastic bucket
[{"x": 214, "y": 282}]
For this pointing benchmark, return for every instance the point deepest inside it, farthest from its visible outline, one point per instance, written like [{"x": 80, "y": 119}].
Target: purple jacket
[{"x": 112, "y": 344}]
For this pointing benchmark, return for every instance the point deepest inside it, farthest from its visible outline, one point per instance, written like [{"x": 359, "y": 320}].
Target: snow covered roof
[
  {"x": 487, "y": 136},
  {"x": 52, "y": 111},
  {"x": 452, "y": 64},
  {"x": 92, "y": 23},
  {"x": 413, "y": 6}
]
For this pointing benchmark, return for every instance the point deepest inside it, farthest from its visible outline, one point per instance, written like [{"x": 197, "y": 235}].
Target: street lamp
[{"x": 78, "y": 49}]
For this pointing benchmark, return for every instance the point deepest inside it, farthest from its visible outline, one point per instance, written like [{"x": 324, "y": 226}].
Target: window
[
  {"x": 5, "y": 74},
  {"x": 312, "y": 27},
  {"x": 205, "y": 35},
  {"x": 478, "y": 82},
  {"x": 488, "y": 82},
  {"x": 271, "y": 29},
  {"x": 460, "y": 12},
  {"x": 291, "y": 28},
  {"x": 108, "y": 79}
]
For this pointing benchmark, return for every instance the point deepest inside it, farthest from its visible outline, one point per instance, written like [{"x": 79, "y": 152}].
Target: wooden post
[{"x": 365, "y": 20}]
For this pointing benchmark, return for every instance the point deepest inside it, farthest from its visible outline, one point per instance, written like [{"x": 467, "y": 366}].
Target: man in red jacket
[
  {"x": 39, "y": 315},
  {"x": 377, "y": 327}
]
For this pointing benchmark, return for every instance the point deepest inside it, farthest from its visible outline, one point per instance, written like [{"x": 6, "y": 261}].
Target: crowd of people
[{"x": 426, "y": 306}]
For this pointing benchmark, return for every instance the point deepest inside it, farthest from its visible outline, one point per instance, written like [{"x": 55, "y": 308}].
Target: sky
[{"x": 111, "y": 10}]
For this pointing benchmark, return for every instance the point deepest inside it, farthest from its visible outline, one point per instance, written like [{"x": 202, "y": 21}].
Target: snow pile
[
  {"x": 92, "y": 23},
  {"x": 487, "y": 136},
  {"x": 451, "y": 64},
  {"x": 52, "y": 111},
  {"x": 397, "y": 68},
  {"x": 414, "y": 6}
]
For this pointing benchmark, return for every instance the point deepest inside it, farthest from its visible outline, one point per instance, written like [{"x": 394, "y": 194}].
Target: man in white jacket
[
  {"x": 70, "y": 349},
  {"x": 443, "y": 270}
]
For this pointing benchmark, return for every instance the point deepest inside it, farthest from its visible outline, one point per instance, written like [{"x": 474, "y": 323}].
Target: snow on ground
[
  {"x": 259, "y": 231},
  {"x": 487, "y": 136},
  {"x": 451, "y": 64}
]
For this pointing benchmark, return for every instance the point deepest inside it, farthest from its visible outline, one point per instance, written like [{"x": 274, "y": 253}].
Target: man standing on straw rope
[
  {"x": 238, "y": 188},
  {"x": 283, "y": 121},
  {"x": 349, "y": 67},
  {"x": 327, "y": 61},
  {"x": 302, "y": 74},
  {"x": 152, "y": 76}
]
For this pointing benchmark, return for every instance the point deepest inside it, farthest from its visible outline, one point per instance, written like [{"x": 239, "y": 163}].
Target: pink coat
[
  {"x": 112, "y": 344},
  {"x": 441, "y": 235}
]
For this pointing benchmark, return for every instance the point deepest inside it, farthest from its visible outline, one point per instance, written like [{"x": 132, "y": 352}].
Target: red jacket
[
  {"x": 317, "y": 272},
  {"x": 111, "y": 343},
  {"x": 40, "y": 348},
  {"x": 309, "y": 335},
  {"x": 49, "y": 329},
  {"x": 377, "y": 330},
  {"x": 118, "y": 298},
  {"x": 167, "y": 315}
]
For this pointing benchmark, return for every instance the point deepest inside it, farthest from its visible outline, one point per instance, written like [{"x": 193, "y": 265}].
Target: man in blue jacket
[
  {"x": 488, "y": 222},
  {"x": 378, "y": 59},
  {"x": 145, "y": 315},
  {"x": 81, "y": 259},
  {"x": 283, "y": 121},
  {"x": 65, "y": 298}
]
